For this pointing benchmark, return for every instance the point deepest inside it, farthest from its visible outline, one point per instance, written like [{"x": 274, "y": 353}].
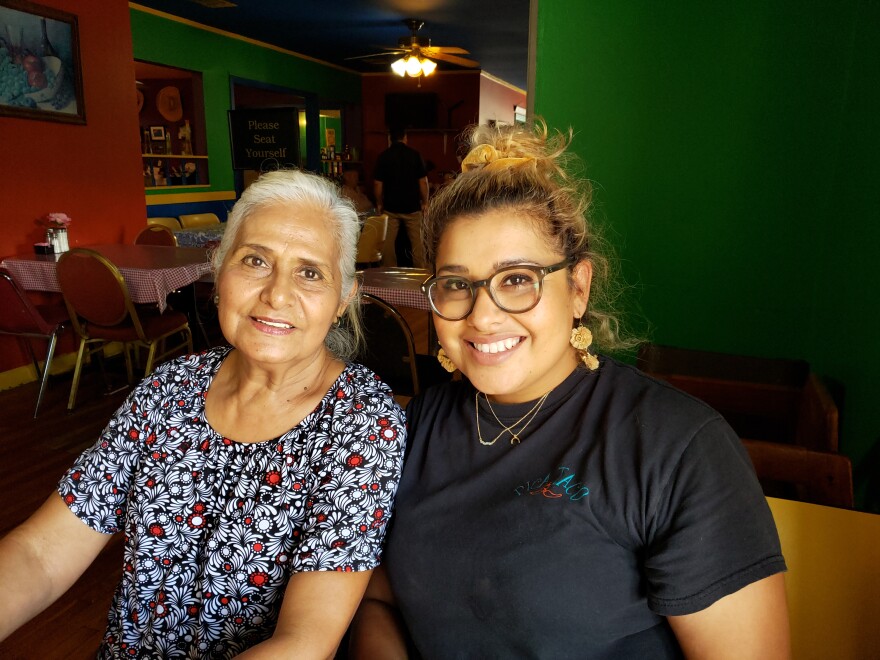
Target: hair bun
[{"x": 487, "y": 157}]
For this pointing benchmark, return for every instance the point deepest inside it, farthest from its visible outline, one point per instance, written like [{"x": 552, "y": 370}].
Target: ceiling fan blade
[
  {"x": 455, "y": 59},
  {"x": 382, "y": 54},
  {"x": 451, "y": 50}
]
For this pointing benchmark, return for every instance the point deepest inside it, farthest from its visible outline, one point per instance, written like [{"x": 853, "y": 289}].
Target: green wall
[
  {"x": 734, "y": 148},
  {"x": 218, "y": 58}
]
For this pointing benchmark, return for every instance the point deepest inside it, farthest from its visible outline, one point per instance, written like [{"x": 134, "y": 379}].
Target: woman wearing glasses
[{"x": 556, "y": 503}]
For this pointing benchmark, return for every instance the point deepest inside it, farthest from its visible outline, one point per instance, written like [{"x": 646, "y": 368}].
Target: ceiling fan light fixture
[
  {"x": 399, "y": 67},
  {"x": 413, "y": 66},
  {"x": 428, "y": 66}
]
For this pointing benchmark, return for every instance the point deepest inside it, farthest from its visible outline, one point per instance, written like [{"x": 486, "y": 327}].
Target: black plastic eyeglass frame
[{"x": 540, "y": 271}]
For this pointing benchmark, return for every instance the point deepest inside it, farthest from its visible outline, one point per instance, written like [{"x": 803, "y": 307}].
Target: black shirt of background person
[{"x": 399, "y": 168}]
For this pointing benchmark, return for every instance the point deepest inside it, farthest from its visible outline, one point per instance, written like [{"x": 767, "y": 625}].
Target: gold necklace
[{"x": 514, "y": 435}]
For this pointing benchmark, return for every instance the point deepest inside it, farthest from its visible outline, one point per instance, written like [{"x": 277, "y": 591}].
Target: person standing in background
[{"x": 401, "y": 191}]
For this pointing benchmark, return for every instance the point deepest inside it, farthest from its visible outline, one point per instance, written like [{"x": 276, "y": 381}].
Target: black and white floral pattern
[{"x": 214, "y": 528}]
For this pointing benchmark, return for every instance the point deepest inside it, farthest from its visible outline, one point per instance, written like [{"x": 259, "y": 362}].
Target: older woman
[
  {"x": 556, "y": 503},
  {"x": 252, "y": 482}
]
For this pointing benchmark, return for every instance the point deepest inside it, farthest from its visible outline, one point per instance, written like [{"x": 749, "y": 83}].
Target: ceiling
[{"x": 494, "y": 31}]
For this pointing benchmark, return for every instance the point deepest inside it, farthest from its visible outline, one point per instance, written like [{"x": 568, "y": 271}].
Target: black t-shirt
[
  {"x": 626, "y": 501},
  {"x": 399, "y": 168}
]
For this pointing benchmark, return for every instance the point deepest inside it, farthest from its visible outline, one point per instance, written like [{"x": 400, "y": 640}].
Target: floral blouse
[{"x": 215, "y": 528}]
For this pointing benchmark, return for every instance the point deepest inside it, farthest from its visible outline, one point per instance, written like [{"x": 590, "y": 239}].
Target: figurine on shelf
[
  {"x": 184, "y": 134},
  {"x": 157, "y": 173}
]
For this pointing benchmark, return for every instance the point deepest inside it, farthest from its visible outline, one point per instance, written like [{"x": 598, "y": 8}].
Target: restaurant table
[
  {"x": 401, "y": 287},
  {"x": 200, "y": 236},
  {"x": 397, "y": 286},
  {"x": 151, "y": 272}
]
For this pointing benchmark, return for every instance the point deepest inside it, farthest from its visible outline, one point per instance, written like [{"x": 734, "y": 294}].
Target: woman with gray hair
[{"x": 254, "y": 481}]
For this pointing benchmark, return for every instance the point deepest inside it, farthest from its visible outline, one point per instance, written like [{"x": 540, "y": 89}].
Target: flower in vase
[{"x": 56, "y": 220}]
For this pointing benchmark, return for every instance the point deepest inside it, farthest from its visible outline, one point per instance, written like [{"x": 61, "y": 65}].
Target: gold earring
[
  {"x": 581, "y": 338},
  {"x": 445, "y": 362}
]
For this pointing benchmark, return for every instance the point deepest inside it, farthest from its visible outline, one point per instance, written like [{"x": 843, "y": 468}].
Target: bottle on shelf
[
  {"x": 346, "y": 154},
  {"x": 168, "y": 141},
  {"x": 186, "y": 150}
]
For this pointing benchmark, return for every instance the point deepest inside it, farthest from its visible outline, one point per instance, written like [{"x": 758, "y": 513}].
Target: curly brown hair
[{"x": 539, "y": 183}]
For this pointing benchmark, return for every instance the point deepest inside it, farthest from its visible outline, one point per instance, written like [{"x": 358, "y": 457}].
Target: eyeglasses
[{"x": 515, "y": 289}]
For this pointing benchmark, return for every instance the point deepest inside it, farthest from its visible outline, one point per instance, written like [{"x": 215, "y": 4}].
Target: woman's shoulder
[
  {"x": 625, "y": 386},
  {"x": 439, "y": 399},
  {"x": 208, "y": 360},
  {"x": 194, "y": 370},
  {"x": 358, "y": 380}
]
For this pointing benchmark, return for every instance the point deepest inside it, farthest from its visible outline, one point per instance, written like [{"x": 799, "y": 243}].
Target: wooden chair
[
  {"x": 370, "y": 243},
  {"x": 101, "y": 311},
  {"x": 156, "y": 235},
  {"x": 171, "y": 223},
  {"x": 796, "y": 473},
  {"x": 762, "y": 398},
  {"x": 23, "y": 319},
  {"x": 189, "y": 220}
]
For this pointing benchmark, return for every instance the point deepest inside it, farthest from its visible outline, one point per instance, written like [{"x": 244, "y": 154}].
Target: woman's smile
[{"x": 272, "y": 326}]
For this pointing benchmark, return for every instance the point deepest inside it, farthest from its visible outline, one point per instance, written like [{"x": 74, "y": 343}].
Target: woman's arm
[
  {"x": 317, "y": 608},
  {"x": 749, "y": 623},
  {"x": 41, "y": 559},
  {"x": 378, "y": 630}
]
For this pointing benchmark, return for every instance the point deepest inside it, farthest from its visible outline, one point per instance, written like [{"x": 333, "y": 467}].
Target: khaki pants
[{"x": 413, "y": 223}]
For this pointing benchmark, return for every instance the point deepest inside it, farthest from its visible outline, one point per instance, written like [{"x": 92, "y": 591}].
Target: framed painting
[{"x": 40, "y": 70}]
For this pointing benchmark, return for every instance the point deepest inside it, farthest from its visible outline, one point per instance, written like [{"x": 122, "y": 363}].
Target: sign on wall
[{"x": 264, "y": 139}]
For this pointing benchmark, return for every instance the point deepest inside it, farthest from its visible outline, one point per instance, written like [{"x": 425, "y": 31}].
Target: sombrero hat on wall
[{"x": 168, "y": 103}]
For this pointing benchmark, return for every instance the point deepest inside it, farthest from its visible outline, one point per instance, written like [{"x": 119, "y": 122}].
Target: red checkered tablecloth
[
  {"x": 150, "y": 276},
  {"x": 400, "y": 287}
]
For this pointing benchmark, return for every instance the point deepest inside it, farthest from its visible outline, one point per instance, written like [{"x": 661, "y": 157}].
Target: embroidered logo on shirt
[{"x": 563, "y": 483}]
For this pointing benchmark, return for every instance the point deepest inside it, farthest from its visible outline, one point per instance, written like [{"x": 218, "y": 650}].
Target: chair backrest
[
  {"x": 20, "y": 315},
  {"x": 389, "y": 347},
  {"x": 171, "y": 223},
  {"x": 156, "y": 235},
  {"x": 93, "y": 288},
  {"x": 188, "y": 220},
  {"x": 372, "y": 237},
  {"x": 805, "y": 475}
]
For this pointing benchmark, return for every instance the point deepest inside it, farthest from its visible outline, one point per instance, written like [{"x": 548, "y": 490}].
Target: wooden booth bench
[{"x": 782, "y": 411}]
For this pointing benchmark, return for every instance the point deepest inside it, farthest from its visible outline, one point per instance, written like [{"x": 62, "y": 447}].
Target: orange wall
[{"x": 90, "y": 172}]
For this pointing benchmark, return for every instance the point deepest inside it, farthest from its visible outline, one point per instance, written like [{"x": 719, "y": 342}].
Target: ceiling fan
[{"x": 416, "y": 53}]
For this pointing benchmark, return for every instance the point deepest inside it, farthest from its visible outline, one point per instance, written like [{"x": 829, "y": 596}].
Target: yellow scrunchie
[{"x": 486, "y": 156}]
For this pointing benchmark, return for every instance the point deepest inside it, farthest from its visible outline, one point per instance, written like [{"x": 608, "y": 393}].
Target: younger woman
[{"x": 556, "y": 503}]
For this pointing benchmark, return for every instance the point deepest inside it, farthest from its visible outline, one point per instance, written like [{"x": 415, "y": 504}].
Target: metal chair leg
[
  {"x": 77, "y": 372},
  {"x": 45, "y": 376}
]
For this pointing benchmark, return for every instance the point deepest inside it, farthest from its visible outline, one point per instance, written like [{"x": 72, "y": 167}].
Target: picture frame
[
  {"x": 157, "y": 133},
  {"x": 45, "y": 77}
]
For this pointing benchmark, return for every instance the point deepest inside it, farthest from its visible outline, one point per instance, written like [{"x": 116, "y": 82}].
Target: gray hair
[{"x": 294, "y": 187}]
